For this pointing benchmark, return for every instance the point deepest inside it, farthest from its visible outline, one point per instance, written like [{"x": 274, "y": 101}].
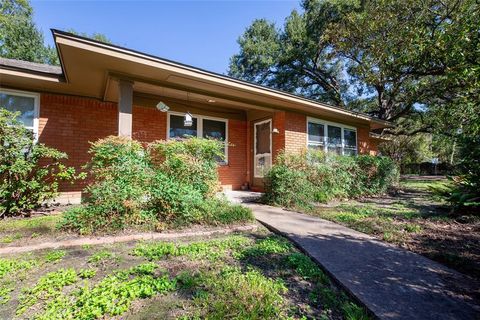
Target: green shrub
[
  {"x": 464, "y": 193},
  {"x": 298, "y": 180},
  {"x": 169, "y": 183},
  {"x": 192, "y": 162},
  {"x": 29, "y": 171},
  {"x": 215, "y": 211},
  {"x": 172, "y": 200}
]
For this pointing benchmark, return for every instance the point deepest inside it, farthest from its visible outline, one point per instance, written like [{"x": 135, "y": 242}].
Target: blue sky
[{"x": 199, "y": 33}]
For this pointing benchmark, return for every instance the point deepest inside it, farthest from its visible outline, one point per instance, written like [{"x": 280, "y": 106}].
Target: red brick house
[{"x": 102, "y": 89}]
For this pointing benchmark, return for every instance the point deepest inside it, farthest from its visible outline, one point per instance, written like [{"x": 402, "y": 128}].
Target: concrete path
[
  {"x": 391, "y": 282},
  {"x": 125, "y": 238}
]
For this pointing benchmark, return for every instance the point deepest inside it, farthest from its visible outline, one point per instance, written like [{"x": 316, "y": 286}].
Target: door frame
[{"x": 255, "y": 147}]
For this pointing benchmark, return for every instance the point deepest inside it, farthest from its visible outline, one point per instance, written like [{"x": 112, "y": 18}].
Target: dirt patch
[{"x": 454, "y": 242}]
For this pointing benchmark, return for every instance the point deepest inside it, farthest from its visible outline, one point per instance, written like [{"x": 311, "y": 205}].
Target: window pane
[
  {"x": 25, "y": 105},
  {"x": 214, "y": 129},
  {"x": 335, "y": 139},
  {"x": 350, "y": 138},
  {"x": 262, "y": 138},
  {"x": 334, "y": 136},
  {"x": 316, "y": 132},
  {"x": 178, "y": 130}
]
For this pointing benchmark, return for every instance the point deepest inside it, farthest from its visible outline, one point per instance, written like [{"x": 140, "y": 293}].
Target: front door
[{"x": 262, "y": 148}]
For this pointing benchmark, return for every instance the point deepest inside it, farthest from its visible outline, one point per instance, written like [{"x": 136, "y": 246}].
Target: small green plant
[
  {"x": 10, "y": 266},
  {"x": 5, "y": 293},
  {"x": 110, "y": 297},
  {"x": 212, "y": 249},
  {"x": 47, "y": 287},
  {"x": 100, "y": 257},
  {"x": 11, "y": 238},
  {"x": 268, "y": 246},
  {"x": 412, "y": 228},
  {"x": 353, "y": 312},
  {"x": 55, "y": 255},
  {"x": 87, "y": 273},
  {"x": 306, "y": 268}
]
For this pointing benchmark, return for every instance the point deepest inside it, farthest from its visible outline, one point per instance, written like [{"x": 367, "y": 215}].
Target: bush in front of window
[
  {"x": 191, "y": 161},
  {"x": 165, "y": 185},
  {"x": 29, "y": 171},
  {"x": 300, "y": 180}
]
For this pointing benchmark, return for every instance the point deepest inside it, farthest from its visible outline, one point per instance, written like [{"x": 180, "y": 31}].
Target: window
[
  {"x": 334, "y": 142},
  {"x": 206, "y": 127},
  {"x": 262, "y": 148},
  {"x": 27, "y": 104},
  {"x": 350, "y": 142},
  {"x": 316, "y": 135},
  {"x": 331, "y": 137},
  {"x": 178, "y": 130}
]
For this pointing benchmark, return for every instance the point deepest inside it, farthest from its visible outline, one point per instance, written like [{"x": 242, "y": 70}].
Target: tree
[
  {"x": 293, "y": 59},
  {"x": 398, "y": 60},
  {"x": 412, "y": 56},
  {"x": 20, "y": 39}
]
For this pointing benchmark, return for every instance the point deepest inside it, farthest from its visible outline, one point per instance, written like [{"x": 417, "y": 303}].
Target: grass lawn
[
  {"x": 417, "y": 220},
  {"x": 244, "y": 276},
  {"x": 19, "y": 230}
]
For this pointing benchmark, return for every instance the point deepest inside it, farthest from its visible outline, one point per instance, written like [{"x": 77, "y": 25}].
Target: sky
[{"x": 199, "y": 33}]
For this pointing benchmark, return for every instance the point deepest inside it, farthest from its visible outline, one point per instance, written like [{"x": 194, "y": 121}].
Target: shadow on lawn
[{"x": 392, "y": 282}]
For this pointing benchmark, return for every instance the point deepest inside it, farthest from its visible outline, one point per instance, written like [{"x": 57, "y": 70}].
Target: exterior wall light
[
  {"x": 162, "y": 107},
  {"x": 275, "y": 130},
  {"x": 188, "y": 120}
]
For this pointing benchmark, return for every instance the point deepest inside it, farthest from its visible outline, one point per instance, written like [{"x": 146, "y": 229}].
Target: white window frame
[
  {"x": 325, "y": 136},
  {"x": 256, "y": 174},
  {"x": 36, "y": 106},
  {"x": 200, "y": 119}
]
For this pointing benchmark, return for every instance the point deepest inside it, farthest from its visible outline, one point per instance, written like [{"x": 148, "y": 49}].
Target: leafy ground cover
[
  {"x": 243, "y": 276},
  {"x": 415, "y": 219}
]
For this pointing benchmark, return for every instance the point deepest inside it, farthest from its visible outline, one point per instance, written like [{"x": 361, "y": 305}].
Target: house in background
[{"x": 102, "y": 89}]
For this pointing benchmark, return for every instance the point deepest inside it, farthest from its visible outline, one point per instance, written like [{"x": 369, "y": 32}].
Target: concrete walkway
[{"x": 391, "y": 282}]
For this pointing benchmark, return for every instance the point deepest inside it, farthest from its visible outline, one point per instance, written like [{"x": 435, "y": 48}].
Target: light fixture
[
  {"x": 188, "y": 120},
  {"x": 161, "y": 106},
  {"x": 211, "y": 101},
  {"x": 275, "y": 130}
]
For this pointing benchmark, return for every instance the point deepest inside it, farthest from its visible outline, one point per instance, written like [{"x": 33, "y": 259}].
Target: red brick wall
[
  {"x": 363, "y": 140},
  {"x": 148, "y": 124},
  {"x": 234, "y": 173},
  {"x": 295, "y": 132},
  {"x": 278, "y": 139},
  {"x": 69, "y": 123}
]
